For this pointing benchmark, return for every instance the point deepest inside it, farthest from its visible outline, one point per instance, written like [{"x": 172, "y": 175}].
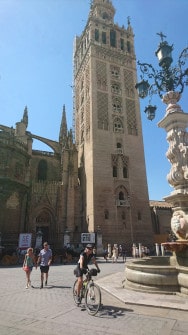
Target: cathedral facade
[
  {"x": 39, "y": 190},
  {"x": 97, "y": 181}
]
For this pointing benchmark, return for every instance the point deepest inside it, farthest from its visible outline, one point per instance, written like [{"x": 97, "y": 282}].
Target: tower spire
[
  {"x": 25, "y": 117},
  {"x": 102, "y": 9},
  {"x": 63, "y": 128}
]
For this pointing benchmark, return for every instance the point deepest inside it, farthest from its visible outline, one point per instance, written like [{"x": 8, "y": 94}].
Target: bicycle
[{"x": 90, "y": 292}]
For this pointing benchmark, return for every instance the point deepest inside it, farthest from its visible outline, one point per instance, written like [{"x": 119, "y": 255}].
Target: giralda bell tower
[{"x": 108, "y": 131}]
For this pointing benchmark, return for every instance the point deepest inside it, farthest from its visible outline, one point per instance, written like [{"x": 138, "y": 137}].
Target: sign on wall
[
  {"x": 25, "y": 241},
  {"x": 88, "y": 238}
]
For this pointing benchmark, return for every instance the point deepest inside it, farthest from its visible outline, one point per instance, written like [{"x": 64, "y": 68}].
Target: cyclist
[{"x": 85, "y": 257}]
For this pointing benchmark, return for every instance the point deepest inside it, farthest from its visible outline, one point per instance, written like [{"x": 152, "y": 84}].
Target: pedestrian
[
  {"x": 114, "y": 254},
  {"x": 29, "y": 262},
  {"x": 45, "y": 260},
  {"x": 85, "y": 257},
  {"x": 105, "y": 255},
  {"x": 123, "y": 253},
  {"x": 94, "y": 251},
  {"x": 120, "y": 250}
]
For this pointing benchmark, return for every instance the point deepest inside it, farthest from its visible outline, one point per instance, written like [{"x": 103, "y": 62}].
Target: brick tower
[{"x": 108, "y": 131}]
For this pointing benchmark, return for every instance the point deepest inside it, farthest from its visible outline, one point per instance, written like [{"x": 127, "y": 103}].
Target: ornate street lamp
[
  {"x": 150, "y": 112},
  {"x": 169, "y": 83},
  {"x": 166, "y": 79}
]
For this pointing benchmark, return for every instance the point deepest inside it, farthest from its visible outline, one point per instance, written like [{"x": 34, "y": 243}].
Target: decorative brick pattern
[
  {"x": 101, "y": 74},
  {"x": 102, "y": 110},
  {"x": 129, "y": 83},
  {"x": 131, "y": 117}
]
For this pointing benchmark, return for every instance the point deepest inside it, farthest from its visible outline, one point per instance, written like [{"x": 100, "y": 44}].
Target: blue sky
[{"x": 36, "y": 65}]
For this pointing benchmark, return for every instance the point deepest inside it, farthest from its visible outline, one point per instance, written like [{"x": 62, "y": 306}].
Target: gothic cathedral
[{"x": 97, "y": 181}]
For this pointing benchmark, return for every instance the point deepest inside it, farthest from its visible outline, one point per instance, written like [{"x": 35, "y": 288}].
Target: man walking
[{"x": 45, "y": 260}]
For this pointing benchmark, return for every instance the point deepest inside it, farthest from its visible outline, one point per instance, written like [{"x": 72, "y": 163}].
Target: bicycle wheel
[{"x": 92, "y": 298}]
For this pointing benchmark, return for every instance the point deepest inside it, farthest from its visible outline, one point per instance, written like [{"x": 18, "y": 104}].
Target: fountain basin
[
  {"x": 183, "y": 279},
  {"x": 153, "y": 275}
]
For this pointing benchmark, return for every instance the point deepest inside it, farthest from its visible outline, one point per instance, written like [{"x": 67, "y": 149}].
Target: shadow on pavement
[
  {"x": 112, "y": 312},
  {"x": 109, "y": 312},
  {"x": 50, "y": 287},
  {"x": 56, "y": 286}
]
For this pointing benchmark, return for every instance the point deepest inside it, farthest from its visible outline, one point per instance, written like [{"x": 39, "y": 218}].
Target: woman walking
[{"x": 28, "y": 264}]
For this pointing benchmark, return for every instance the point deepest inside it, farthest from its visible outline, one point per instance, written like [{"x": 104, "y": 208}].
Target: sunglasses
[{"x": 90, "y": 248}]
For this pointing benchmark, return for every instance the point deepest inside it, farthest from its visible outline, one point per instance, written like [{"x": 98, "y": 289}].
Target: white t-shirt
[{"x": 45, "y": 255}]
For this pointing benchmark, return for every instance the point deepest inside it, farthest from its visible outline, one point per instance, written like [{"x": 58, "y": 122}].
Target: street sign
[
  {"x": 25, "y": 241},
  {"x": 88, "y": 238}
]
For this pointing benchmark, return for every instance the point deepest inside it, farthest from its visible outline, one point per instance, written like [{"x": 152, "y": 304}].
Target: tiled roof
[{"x": 160, "y": 204}]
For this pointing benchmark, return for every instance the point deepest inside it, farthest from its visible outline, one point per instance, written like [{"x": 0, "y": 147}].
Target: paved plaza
[{"x": 51, "y": 310}]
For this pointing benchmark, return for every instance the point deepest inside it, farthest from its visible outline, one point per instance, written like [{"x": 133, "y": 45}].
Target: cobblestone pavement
[{"x": 51, "y": 310}]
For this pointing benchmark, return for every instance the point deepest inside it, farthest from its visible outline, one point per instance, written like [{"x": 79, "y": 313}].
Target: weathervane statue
[{"x": 164, "y": 83}]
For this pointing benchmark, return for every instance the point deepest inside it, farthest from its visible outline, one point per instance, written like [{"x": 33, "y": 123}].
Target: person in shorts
[
  {"x": 45, "y": 260},
  {"x": 85, "y": 257},
  {"x": 29, "y": 262}
]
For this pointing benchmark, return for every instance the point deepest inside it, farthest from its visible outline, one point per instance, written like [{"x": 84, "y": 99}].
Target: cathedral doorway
[
  {"x": 44, "y": 224},
  {"x": 45, "y": 233}
]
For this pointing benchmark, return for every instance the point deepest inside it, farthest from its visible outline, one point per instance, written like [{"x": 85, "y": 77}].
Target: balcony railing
[{"x": 122, "y": 203}]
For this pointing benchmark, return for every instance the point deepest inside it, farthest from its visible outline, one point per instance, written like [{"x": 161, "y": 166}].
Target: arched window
[
  {"x": 119, "y": 149},
  {"x": 113, "y": 38},
  {"x": 116, "y": 88},
  {"x": 125, "y": 175},
  {"x": 103, "y": 37},
  {"x": 121, "y": 196},
  {"x": 122, "y": 44},
  {"x": 139, "y": 216},
  {"x": 96, "y": 35},
  {"x": 42, "y": 170},
  {"x": 115, "y": 71},
  {"x": 106, "y": 214},
  {"x": 117, "y": 106},
  {"x": 128, "y": 46},
  {"x": 114, "y": 171},
  {"x": 118, "y": 127}
]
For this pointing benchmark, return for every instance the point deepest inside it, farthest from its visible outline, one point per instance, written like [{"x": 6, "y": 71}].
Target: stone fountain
[{"x": 169, "y": 274}]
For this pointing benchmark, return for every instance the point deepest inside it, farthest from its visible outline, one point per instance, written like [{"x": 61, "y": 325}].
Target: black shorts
[
  {"x": 44, "y": 269},
  {"x": 79, "y": 272}
]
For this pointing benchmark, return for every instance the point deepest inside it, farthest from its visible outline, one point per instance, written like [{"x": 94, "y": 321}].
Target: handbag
[{"x": 26, "y": 268}]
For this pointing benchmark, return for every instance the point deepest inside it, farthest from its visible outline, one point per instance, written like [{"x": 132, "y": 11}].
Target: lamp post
[
  {"x": 130, "y": 212},
  {"x": 99, "y": 241},
  {"x": 166, "y": 79},
  {"x": 168, "y": 83}
]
